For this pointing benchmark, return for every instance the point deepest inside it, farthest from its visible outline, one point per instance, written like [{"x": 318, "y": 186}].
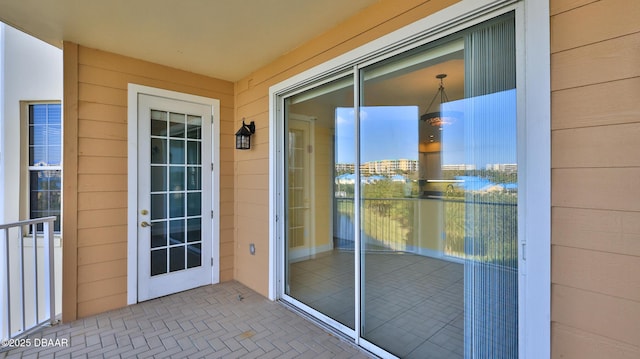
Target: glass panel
[
  {"x": 38, "y": 115},
  {"x": 54, "y": 134},
  {"x": 176, "y": 231},
  {"x": 193, "y": 178},
  {"x": 194, "y": 230},
  {"x": 169, "y": 253},
  {"x": 159, "y": 234},
  {"x": 176, "y": 152},
  {"x": 45, "y": 135},
  {"x": 158, "y": 151},
  {"x": 54, "y": 114},
  {"x": 194, "y": 204},
  {"x": 45, "y": 189},
  {"x": 176, "y": 258},
  {"x": 319, "y": 248},
  {"x": 176, "y": 205},
  {"x": 37, "y": 155},
  {"x": 194, "y": 255},
  {"x": 158, "y": 123},
  {"x": 176, "y": 178},
  {"x": 193, "y": 153},
  {"x": 158, "y": 262},
  {"x": 177, "y": 125},
  {"x": 158, "y": 179},
  {"x": 38, "y": 136},
  {"x": 438, "y": 198},
  {"x": 54, "y": 155},
  {"x": 194, "y": 127},
  {"x": 158, "y": 128},
  {"x": 158, "y": 206}
]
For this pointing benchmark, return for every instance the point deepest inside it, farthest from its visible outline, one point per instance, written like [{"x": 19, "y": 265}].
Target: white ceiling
[{"x": 225, "y": 39}]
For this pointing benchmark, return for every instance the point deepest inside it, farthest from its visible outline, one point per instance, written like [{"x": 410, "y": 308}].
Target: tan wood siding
[
  {"x": 72, "y": 147},
  {"x": 596, "y": 213},
  {"x": 99, "y": 237},
  {"x": 252, "y": 103},
  {"x": 570, "y": 342},
  {"x": 594, "y": 105},
  {"x": 600, "y": 146},
  {"x": 616, "y": 232},
  {"x": 600, "y": 314}
]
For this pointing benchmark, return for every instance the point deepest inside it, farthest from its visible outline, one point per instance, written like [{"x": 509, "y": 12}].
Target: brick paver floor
[{"x": 226, "y": 320}]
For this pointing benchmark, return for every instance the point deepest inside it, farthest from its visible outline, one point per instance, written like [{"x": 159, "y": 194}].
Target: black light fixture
[
  {"x": 243, "y": 136},
  {"x": 435, "y": 118}
]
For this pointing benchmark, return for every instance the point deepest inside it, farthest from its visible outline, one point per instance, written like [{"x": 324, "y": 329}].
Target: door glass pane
[
  {"x": 176, "y": 258},
  {"x": 158, "y": 123},
  {"x": 438, "y": 198},
  {"x": 319, "y": 248},
  {"x": 159, "y": 234},
  {"x": 158, "y": 151},
  {"x": 193, "y": 178},
  {"x": 193, "y": 153},
  {"x": 158, "y": 178},
  {"x": 194, "y": 204},
  {"x": 176, "y": 198},
  {"x": 194, "y": 127},
  {"x": 176, "y": 231},
  {"x": 176, "y": 152},
  {"x": 158, "y": 261},
  {"x": 176, "y": 178},
  {"x": 194, "y": 259},
  {"x": 177, "y": 125},
  {"x": 193, "y": 230},
  {"x": 158, "y": 206},
  {"x": 176, "y": 205}
]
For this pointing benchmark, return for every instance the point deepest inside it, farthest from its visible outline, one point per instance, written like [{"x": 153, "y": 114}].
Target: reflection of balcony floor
[{"x": 414, "y": 305}]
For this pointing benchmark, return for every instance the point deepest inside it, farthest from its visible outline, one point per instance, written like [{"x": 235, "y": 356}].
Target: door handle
[{"x": 145, "y": 224}]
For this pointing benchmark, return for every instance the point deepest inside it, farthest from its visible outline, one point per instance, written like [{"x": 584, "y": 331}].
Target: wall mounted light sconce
[{"x": 243, "y": 136}]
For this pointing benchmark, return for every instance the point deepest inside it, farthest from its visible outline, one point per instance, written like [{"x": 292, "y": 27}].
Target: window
[{"x": 44, "y": 170}]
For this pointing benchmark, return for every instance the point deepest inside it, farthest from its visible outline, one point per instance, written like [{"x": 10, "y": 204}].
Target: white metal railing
[{"x": 29, "y": 273}]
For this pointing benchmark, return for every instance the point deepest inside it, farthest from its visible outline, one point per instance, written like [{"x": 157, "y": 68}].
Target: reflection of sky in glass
[
  {"x": 386, "y": 132},
  {"x": 483, "y": 132},
  {"x": 46, "y": 135}
]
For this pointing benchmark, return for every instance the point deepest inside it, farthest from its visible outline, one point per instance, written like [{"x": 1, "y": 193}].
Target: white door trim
[{"x": 132, "y": 180}]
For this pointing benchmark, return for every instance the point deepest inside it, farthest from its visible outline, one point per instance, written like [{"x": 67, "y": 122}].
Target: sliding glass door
[
  {"x": 320, "y": 270},
  {"x": 401, "y": 200}
]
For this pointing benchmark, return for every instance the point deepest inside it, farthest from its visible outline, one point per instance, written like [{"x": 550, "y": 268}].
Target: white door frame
[{"x": 132, "y": 180}]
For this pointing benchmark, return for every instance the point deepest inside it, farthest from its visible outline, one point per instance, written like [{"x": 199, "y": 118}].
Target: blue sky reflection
[{"x": 483, "y": 131}]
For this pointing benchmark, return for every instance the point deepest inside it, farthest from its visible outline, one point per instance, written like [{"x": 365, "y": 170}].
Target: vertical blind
[{"x": 491, "y": 265}]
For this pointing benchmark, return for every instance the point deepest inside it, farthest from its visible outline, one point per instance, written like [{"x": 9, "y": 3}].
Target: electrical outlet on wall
[{"x": 252, "y": 249}]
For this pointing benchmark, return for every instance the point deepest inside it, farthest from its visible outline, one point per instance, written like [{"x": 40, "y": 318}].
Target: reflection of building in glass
[
  {"x": 381, "y": 167},
  {"x": 502, "y": 167},
  {"x": 345, "y": 167},
  {"x": 389, "y": 167},
  {"x": 458, "y": 167}
]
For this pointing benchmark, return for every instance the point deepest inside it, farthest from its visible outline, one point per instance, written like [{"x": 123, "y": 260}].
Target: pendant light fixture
[{"x": 435, "y": 118}]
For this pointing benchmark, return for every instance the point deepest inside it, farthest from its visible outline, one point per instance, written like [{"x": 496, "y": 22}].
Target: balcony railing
[
  {"x": 27, "y": 276},
  {"x": 478, "y": 229}
]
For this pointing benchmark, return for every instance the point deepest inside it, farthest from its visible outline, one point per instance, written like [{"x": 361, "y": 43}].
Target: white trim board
[{"x": 132, "y": 179}]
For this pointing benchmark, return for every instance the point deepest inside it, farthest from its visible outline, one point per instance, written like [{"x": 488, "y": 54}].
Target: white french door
[{"x": 174, "y": 214}]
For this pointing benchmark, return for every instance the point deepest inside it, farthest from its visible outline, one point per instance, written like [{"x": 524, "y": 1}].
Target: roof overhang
[{"x": 225, "y": 39}]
